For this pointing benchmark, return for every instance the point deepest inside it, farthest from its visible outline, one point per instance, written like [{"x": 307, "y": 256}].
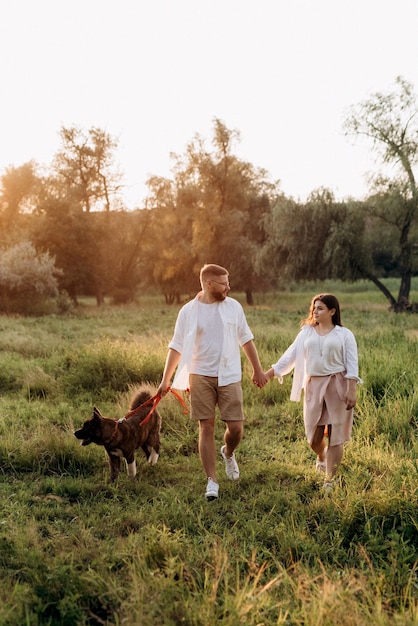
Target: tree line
[{"x": 64, "y": 228}]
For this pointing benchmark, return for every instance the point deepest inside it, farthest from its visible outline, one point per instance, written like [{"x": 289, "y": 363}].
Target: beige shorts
[{"x": 205, "y": 394}]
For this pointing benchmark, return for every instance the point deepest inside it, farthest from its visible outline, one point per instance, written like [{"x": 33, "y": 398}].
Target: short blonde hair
[{"x": 211, "y": 269}]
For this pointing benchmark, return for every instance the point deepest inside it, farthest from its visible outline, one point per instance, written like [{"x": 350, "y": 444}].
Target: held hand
[
  {"x": 263, "y": 377},
  {"x": 163, "y": 389},
  {"x": 269, "y": 374},
  {"x": 259, "y": 379}
]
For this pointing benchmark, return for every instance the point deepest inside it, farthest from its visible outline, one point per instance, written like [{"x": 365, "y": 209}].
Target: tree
[
  {"x": 212, "y": 212},
  {"x": 84, "y": 166},
  {"x": 133, "y": 251},
  {"x": 391, "y": 122},
  {"x": 70, "y": 219},
  {"x": 171, "y": 231},
  {"x": 317, "y": 240},
  {"x": 19, "y": 192},
  {"x": 235, "y": 196},
  {"x": 78, "y": 242}
]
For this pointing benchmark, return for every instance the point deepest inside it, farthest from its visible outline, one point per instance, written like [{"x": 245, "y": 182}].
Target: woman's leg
[
  {"x": 318, "y": 443},
  {"x": 334, "y": 456}
]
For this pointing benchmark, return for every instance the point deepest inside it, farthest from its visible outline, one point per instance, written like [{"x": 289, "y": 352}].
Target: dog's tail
[{"x": 139, "y": 398}]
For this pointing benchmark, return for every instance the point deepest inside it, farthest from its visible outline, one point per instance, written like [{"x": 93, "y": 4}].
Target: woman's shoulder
[
  {"x": 344, "y": 331},
  {"x": 304, "y": 331},
  {"x": 307, "y": 328}
]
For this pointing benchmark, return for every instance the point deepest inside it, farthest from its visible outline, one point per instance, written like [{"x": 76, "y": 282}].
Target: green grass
[{"x": 76, "y": 550}]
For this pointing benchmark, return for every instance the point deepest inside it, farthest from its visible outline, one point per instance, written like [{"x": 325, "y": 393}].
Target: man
[{"x": 205, "y": 349}]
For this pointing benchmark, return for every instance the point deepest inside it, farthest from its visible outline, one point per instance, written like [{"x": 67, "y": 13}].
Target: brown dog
[{"x": 121, "y": 438}]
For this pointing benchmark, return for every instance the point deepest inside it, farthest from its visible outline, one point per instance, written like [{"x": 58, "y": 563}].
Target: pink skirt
[{"x": 324, "y": 404}]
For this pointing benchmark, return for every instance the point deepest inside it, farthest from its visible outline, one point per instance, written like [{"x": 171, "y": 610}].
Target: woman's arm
[
  {"x": 350, "y": 398},
  {"x": 351, "y": 356}
]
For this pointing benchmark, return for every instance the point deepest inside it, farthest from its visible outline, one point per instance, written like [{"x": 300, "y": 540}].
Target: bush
[
  {"x": 107, "y": 365},
  {"x": 27, "y": 280}
]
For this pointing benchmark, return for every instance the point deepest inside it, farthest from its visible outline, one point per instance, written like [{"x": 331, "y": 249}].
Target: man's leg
[
  {"x": 207, "y": 449},
  {"x": 232, "y": 414},
  {"x": 232, "y": 437}
]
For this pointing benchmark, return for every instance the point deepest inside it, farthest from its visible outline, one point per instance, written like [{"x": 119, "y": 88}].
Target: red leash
[{"x": 154, "y": 401}]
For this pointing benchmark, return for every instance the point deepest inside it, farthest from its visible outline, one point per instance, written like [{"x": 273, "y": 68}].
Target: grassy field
[{"x": 273, "y": 550}]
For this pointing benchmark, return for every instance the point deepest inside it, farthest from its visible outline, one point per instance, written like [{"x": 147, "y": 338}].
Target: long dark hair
[{"x": 330, "y": 302}]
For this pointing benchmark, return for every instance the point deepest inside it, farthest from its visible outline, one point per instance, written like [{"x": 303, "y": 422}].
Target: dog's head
[{"x": 91, "y": 431}]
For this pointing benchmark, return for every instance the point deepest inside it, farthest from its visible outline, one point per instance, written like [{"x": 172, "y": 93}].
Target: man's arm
[
  {"x": 258, "y": 377},
  {"x": 171, "y": 362}
]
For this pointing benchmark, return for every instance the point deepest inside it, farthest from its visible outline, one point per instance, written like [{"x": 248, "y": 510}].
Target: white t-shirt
[
  {"x": 235, "y": 333},
  {"x": 209, "y": 339},
  {"x": 324, "y": 354}
]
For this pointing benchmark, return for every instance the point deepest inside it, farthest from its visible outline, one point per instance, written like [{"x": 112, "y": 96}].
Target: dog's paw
[
  {"x": 131, "y": 469},
  {"x": 121, "y": 419},
  {"x": 153, "y": 457}
]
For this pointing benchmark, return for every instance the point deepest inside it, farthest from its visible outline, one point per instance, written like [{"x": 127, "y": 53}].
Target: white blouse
[{"x": 313, "y": 355}]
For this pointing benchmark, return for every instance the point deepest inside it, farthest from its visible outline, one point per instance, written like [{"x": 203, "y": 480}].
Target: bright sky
[{"x": 154, "y": 73}]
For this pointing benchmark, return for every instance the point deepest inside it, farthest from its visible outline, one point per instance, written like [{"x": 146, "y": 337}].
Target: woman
[{"x": 325, "y": 363}]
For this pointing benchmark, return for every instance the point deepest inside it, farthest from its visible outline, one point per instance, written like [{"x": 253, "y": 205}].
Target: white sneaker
[
  {"x": 321, "y": 466},
  {"x": 212, "y": 490},
  {"x": 231, "y": 466}
]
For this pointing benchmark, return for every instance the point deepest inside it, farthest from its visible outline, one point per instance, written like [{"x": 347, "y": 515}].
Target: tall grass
[{"x": 274, "y": 550}]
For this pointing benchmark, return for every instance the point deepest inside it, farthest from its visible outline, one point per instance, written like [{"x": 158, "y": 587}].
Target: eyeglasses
[{"x": 219, "y": 283}]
